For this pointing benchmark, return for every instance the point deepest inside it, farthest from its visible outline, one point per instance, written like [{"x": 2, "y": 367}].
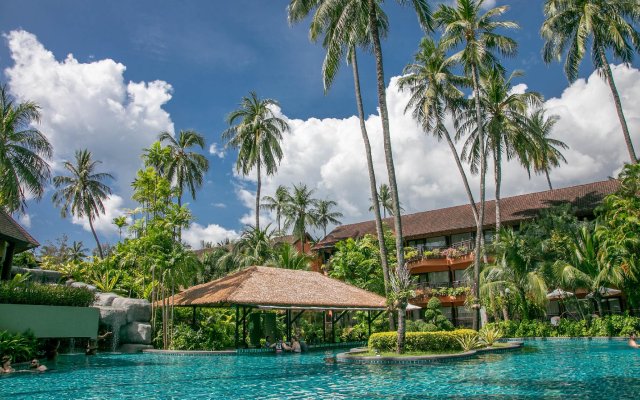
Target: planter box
[{"x": 50, "y": 321}]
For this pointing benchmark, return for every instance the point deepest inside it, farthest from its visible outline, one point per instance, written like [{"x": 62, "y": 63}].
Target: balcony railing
[
  {"x": 455, "y": 288},
  {"x": 457, "y": 249}
]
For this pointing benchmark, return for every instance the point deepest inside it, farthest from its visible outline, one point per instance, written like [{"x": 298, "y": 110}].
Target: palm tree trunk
[
  {"x": 401, "y": 329},
  {"x": 616, "y": 99},
  {"x": 463, "y": 175},
  {"x": 258, "y": 196},
  {"x": 372, "y": 180},
  {"x": 93, "y": 231},
  {"x": 497, "y": 174},
  {"x": 480, "y": 222},
  {"x": 546, "y": 172}
]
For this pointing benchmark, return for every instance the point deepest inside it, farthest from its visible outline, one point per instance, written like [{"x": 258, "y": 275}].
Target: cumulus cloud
[
  {"x": 25, "y": 220},
  {"x": 213, "y": 149},
  {"x": 327, "y": 155},
  {"x": 89, "y": 105},
  {"x": 211, "y": 233}
]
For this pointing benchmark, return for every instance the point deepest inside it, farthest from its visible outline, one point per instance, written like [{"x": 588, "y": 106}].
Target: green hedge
[
  {"x": 610, "y": 325},
  {"x": 46, "y": 295},
  {"x": 20, "y": 347},
  {"x": 419, "y": 341}
]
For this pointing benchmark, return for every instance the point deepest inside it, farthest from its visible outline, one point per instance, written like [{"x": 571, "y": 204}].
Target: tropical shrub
[
  {"x": 433, "y": 315},
  {"x": 468, "y": 342},
  {"x": 610, "y": 325},
  {"x": 48, "y": 295},
  {"x": 420, "y": 341},
  {"x": 420, "y": 326},
  {"x": 489, "y": 335},
  {"x": 20, "y": 347}
]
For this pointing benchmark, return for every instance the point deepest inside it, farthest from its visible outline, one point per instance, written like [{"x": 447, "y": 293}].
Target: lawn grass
[{"x": 406, "y": 354}]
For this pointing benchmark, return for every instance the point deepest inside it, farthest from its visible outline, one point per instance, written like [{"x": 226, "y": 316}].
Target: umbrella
[
  {"x": 605, "y": 292},
  {"x": 558, "y": 294}
]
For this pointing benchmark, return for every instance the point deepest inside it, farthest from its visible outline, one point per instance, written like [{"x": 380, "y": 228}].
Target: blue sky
[{"x": 211, "y": 55}]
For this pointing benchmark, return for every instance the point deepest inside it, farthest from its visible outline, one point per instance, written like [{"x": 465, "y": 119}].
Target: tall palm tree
[
  {"x": 23, "y": 153},
  {"x": 325, "y": 216},
  {"x": 300, "y": 212},
  {"x": 186, "y": 167},
  {"x": 83, "y": 192},
  {"x": 608, "y": 24},
  {"x": 120, "y": 222},
  {"x": 434, "y": 93},
  {"x": 287, "y": 257},
  {"x": 253, "y": 248},
  {"x": 77, "y": 252},
  {"x": 256, "y": 132},
  {"x": 277, "y": 203},
  {"x": 476, "y": 33},
  {"x": 157, "y": 157},
  {"x": 505, "y": 124},
  {"x": 385, "y": 202},
  {"x": 547, "y": 152}
]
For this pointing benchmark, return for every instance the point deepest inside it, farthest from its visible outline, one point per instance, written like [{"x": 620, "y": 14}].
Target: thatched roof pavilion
[
  {"x": 277, "y": 288},
  {"x": 260, "y": 287}
]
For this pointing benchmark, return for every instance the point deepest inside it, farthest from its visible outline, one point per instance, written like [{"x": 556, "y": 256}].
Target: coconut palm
[
  {"x": 345, "y": 28},
  {"x": 385, "y": 202},
  {"x": 505, "y": 124},
  {"x": 513, "y": 271},
  {"x": 286, "y": 256},
  {"x": 610, "y": 26},
  {"x": 77, "y": 252},
  {"x": 476, "y": 33},
  {"x": 23, "y": 153},
  {"x": 186, "y": 167},
  {"x": 256, "y": 132},
  {"x": 546, "y": 154},
  {"x": 253, "y": 248},
  {"x": 300, "y": 212},
  {"x": 434, "y": 94},
  {"x": 277, "y": 203},
  {"x": 157, "y": 157},
  {"x": 325, "y": 216},
  {"x": 83, "y": 192}
]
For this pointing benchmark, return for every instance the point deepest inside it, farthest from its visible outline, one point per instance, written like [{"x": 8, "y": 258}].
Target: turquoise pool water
[{"x": 550, "y": 369}]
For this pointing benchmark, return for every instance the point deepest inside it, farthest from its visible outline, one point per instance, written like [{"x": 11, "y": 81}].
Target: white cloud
[
  {"x": 213, "y": 149},
  {"x": 328, "y": 155},
  {"x": 211, "y": 233},
  {"x": 219, "y": 205},
  {"x": 89, "y": 105},
  {"x": 104, "y": 223},
  {"x": 25, "y": 220}
]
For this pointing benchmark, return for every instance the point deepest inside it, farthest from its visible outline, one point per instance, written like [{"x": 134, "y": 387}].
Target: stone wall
[{"x": 127, "y": 319}]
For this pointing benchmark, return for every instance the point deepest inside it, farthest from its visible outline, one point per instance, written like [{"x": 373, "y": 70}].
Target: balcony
[
  {"x": 432, "y": 259},
  {"x": 447, "y": 292}
]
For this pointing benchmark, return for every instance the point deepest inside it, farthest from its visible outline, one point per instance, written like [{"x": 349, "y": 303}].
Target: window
[
  {"x": 465, "y": 316},
  {"x": 460, "y": 275},
  {"x": 446, "y": 311},
  {"x": 553, "y": 309},
  {"x": 439, "y": 278},
  {"x": 460, "y": 237},
  {"x": 488, "y": 236},
  {"x": 436, "y": 242}
]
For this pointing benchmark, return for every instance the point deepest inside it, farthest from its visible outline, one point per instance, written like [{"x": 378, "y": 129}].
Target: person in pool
[
  {"x": 6, "y": 365},
  {"x": 35, "y": 366},
  {"x": 295, "y": 345},
  {"x": 632, "y": 341},
  {"x": 280, "y": 346}
]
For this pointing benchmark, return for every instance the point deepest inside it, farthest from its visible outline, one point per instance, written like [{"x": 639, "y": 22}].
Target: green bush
[
  {"x": 20, "y": 347},
  {"x": 420, "y": 341},
  {"x": 47, "y": 295},
  {"x": 610, "y": 325},
  {"x": 420, "y": 326}
]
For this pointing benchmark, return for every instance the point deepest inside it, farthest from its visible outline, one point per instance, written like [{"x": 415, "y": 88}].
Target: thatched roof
[
  {"x": 268, "y": 287},
  {"x": 12, "y": 232}
]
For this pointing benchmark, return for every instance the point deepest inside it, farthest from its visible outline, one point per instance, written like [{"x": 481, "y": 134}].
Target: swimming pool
[{"x": 553, "y": 369}]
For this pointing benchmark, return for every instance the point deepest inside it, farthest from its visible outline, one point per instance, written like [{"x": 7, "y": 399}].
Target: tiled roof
[
  {"x": 458, "y": 219},
  {"x": 11, "y": 231}
]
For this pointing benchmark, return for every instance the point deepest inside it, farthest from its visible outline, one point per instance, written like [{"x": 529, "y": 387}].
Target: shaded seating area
[
  {"x": 13, "y": 240},
  {"x": 292, "y": 291}
]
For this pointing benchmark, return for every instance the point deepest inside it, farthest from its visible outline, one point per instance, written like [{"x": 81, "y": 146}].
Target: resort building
[{"x": 445, "y": 239}]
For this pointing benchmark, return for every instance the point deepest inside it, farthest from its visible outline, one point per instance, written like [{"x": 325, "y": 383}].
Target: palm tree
[
  {"x": 434, "y": 93},
  {"x": 286, "y": 256},
  {"x": 277, "y": 203},
  {"x": 345, "y": 26},
  {"x": 186, "y": 167},
  {"x": 324, "y": 216},
  {"x": 157, "y": 157},
  {"x": 256, "y": 134},
  {"x": 513, "y": 271},
  {"x": 385, "y": 202},
  {"x": 608, "y": 24},
  {"x": 82, "y": 193},
  {"x": 77, "y": 252},
  {"x": 463, "y": 25},
  {"x": 253, "y": 248},
  {"x": 505, "y": 124},
  {"x": 120, "y": 222},
  {"x": 547, "y": 152},
  {"x": 300, "y": 212},
  {"x": 23, "y": 150}
]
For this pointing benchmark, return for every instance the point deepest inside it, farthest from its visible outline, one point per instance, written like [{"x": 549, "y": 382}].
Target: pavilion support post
[
  {"x": 369, "y": 322},
  {"x": 324, "y": 327},
  {"x": 237, "y": 320},
  {"x": 244, "y": 326},
  {"x": 6, "y": 264},
  {"x": 335, "y": 319},
  {"x": 193, "y": 318},
  {"x": 288, "y": 319}
]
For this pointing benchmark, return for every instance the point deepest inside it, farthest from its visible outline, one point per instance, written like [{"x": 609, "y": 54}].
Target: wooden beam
[{"x": 8, "y": 260}]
